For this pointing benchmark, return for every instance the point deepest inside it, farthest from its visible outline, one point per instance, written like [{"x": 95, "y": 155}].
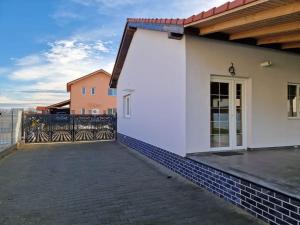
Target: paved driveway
[{"x": 102, "y": 183}]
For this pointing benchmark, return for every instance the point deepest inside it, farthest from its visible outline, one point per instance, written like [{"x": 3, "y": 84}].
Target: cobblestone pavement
[{"x": 102, "y": 183}]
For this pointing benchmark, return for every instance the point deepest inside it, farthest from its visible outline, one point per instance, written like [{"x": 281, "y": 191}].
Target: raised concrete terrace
[{"x": 278, "y": 169}]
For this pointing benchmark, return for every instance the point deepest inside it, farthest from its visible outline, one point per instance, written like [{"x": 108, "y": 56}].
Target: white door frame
[{"x": 232, "y": 112}]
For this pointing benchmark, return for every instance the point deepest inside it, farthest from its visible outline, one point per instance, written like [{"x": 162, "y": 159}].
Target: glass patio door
[{"x": 226, "y": 114}]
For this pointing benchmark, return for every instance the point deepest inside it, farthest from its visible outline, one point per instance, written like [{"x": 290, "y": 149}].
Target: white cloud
[
  {"x": 101, "y": 47},
  {"x": 4, "y": 99},
  {"x": 65, "y": 60},
  {"x": 86, "y": 49},
  {"x": 38, "y": 99},
  {"x": 109, "y": 67},
  {"x": 28, "y": 60}
]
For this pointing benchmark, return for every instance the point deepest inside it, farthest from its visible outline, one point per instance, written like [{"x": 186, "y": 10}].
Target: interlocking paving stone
[{"x": 102, "y": 183}]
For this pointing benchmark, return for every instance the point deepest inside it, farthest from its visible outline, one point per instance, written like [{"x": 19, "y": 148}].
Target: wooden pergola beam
[
  {"x": 270, "y": 30},
  {"x": 279, "y": 39},
  {"x": 290, "y": 45},
  {"x": 253, "y": 18}
]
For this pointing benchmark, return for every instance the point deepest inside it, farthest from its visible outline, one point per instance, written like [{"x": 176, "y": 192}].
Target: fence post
[
  {"x": 12, "y": 127},
  {"x": 22, "y": 127},
  {"x": 93, "y": 126},
  {"x": 116, "y": 126},
  {"x": 73, "y": 128},
  {"x": 50, "y": 127}
]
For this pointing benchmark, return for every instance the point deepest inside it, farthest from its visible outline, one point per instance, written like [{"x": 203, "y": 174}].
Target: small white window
[
  {"x": 82, "y": 111},
  {"x": 83, "y": 90},
  {"x": 112, "y": 92},
  {"x": 127, "y": 106},
  {"x": 93, "y": 91}
]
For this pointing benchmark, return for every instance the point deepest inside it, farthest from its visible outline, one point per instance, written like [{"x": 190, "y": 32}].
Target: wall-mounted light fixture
[
  {"x": 231, "y": 70},
  {"x": 266, "y": 64}
]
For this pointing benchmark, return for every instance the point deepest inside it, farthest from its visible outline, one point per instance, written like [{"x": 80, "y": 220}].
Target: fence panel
[
  {"x": 10, "y": 127},
  {"x": 39, "y": 128}
]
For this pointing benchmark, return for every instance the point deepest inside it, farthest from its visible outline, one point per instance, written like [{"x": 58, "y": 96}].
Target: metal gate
[{"x": 40, "y": 128}]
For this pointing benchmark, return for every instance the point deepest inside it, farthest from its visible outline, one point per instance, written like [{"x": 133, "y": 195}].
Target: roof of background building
[
  {"x": 41, "y": 108},
  {"x": 60, "y": 104},
  {"x": 86, "y": 76}
]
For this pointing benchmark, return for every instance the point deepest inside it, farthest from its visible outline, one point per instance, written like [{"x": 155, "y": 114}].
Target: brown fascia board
[{"x": 122, "y": 52}]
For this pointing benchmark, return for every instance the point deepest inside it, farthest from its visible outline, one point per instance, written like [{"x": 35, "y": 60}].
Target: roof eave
[
  {"x": 69, "y": 84},
  {"x": 127, "y": 37},
  {"x": 59, "y": 104}
]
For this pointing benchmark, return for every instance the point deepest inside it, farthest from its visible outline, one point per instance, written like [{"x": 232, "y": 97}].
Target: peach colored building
[{"x": 91, "y": 94}]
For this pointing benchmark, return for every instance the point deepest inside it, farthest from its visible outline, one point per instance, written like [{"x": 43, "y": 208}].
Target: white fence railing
[{"x": 10, "y": 127}]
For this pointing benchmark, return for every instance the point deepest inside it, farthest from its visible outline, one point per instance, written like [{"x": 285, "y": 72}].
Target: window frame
[
  {"x": 111, "y": 111},
  {"x": 93, "y": 91},
  {"x": 83, "y": 93},
  {"x": 127, "y": 106},
  {"x": 297, "y": 117},
  {"x": 112, "y": 92},
  {"x": 82, "y": 111}
]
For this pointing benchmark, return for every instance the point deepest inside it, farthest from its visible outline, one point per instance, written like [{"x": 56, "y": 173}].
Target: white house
[{"x": 225, "y": 79}]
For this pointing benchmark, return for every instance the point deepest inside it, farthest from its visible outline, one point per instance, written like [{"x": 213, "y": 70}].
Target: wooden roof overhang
[
  {"x": 264, "y": 23},
  {"x": 267, "y": 23}
]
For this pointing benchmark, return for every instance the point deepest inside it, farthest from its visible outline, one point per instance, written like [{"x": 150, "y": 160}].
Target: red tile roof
[
  {"x": 180, "y": 23},
  {"x": 200, "y": 16},
  {"x": 157, "y": 21},
  {"x": 41, "y": 108}
]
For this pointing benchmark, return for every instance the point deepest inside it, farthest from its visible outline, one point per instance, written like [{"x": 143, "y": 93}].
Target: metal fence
[
  {"x": 40, "y": 128},
  {"x": 10, "y": 127}
]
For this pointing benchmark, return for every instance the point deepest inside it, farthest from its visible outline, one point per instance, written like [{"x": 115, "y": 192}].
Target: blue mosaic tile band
[{"x": 266, "y": 204}]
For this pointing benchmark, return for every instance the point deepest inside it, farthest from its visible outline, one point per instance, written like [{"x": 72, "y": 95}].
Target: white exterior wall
[
  {"x": 155, "y": 70},
  {"x": 267, "y": 121}
]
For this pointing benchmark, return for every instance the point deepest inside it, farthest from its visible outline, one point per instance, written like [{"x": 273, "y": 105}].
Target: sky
[{"x": 46, "y": 43}]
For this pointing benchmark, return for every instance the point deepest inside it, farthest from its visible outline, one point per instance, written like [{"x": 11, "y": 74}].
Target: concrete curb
[{"x": 9, "y": 150}]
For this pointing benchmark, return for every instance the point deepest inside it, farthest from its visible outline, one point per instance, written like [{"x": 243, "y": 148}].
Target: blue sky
[{"x": 46, "y": 43}]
